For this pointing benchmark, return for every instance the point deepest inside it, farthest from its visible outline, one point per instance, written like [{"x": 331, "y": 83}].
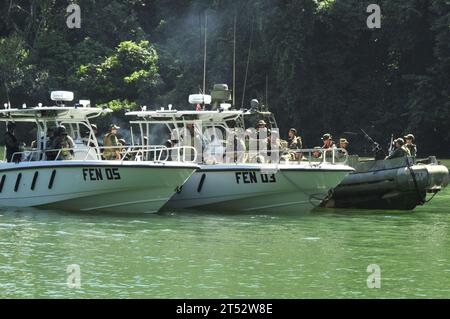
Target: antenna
[
  {"x": 7, "y": 95},
  {"x": 267, "y": 91},
  {"x": 248, "y": 63},
  {"x": 234, "y": 59},
  {"x": 204, "y": 57}
]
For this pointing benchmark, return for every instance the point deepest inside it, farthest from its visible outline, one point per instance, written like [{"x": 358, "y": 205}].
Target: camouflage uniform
[
  {"x": 399, "y": 152},
  {"x": 12, "y": 146},
  {"x": 293, "y": 144},
  {"x": 66, "y": 145},
  {"x": 113, "y": 149},
  {"x": 412, "y": 149}
]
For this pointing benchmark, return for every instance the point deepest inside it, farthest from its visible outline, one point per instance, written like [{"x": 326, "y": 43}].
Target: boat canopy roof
[
  {"x": 204, "y": 116},
  {"x": 51, "y": 113}
]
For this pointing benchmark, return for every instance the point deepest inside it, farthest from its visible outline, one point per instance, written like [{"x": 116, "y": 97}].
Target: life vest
[
  {"x": 107, "y": 142},
  {"x": 109, "y": 152}
]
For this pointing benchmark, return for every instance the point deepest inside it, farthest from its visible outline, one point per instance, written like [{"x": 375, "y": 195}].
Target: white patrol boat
[
  {"x": 86, "y": 182},
  {"x": 231, "y": 178}
]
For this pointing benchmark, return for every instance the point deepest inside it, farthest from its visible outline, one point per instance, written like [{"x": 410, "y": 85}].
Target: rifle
[
  {"x": 391, "y": 145},
  {"x": 379, "y": 153}
]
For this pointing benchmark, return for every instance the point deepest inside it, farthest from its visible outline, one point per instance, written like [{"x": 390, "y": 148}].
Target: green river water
[{"x": 324, "y": 254}]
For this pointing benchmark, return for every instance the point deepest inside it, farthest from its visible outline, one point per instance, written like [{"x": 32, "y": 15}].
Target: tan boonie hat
[
  {"x": 343, "y": 141},
  {"x": 113, "y": 127},
  {"x": 262, "y": 122},
  {"x": 326, "y": 137},
  {"x": 409, "y": 137}
]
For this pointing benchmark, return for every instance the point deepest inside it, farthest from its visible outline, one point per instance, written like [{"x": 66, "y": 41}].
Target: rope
[
  {"x": 427, "y": 201},
  {"x": 416, "y": 185}
]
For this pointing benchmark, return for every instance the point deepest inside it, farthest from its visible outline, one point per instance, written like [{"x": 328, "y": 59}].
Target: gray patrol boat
[{"x": 394, "y": 184}]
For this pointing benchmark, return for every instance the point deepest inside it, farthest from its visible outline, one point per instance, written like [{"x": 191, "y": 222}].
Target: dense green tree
[
  {"x": 315, "y": 63},
  {"x": 12, "y": 63},
  {"x": 129, "y": 73}
]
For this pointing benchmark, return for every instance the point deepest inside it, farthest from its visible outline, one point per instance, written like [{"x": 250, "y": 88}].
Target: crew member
[
  {"x": 11, "y": 143},
  {"x": 410, "y": 144},
  {"x": 400, "y": 149},
  {"x": 343, "y": 148},
  {"x": 327, "y": 141},
  {"x": 262, "y": 141},
  {"x": 64, "y": 143},
  {"x": 111, "y": 144},
  {"x": 294, "y": 143},
  {"x": 328, "y": 144}
]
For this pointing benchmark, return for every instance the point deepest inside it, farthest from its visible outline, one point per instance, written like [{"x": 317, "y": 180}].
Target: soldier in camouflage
[
  {"x": 400, "y": 149},
  {"x": 12, "y": 143},
  {"x": 410, "y": 139},
  {"x": 64, "y": 143},
  {"x": 111, "y": 144},
  {"x": 294, "y": 143}
]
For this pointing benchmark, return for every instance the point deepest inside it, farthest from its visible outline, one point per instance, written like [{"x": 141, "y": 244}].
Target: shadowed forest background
[{"x": 315, "y": 64}]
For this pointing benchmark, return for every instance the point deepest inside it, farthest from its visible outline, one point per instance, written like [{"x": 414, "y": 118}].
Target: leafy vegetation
[{"x": 315, "y": 63}]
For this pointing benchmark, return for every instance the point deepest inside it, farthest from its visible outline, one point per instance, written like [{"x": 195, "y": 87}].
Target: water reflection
[{"x": 207, "y": 255}]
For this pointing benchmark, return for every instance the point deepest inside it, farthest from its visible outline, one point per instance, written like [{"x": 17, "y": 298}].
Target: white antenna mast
[
  {"x": 248, "y": 64},
  {"x": 267, "y": 91},
  {"x": 204, "y": 58},
  {"x": 234, "y": 60}
]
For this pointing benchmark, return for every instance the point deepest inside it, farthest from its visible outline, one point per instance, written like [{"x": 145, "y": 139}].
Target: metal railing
[
  {"x": 301, "y": 156},
  {"x": 125, "y": 153},
  {"x": 322, "y": 156},
  {"x": 187, "y": 154}
]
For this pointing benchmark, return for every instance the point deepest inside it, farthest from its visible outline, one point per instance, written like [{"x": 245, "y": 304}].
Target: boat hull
[
  {"x": 106, "y": 186},
  {"x": 388, "y": 185},
  {"x": 250, "y": 188}
]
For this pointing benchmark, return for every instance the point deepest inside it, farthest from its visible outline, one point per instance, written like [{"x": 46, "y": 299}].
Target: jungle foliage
[{"x": 314, "y": 63}]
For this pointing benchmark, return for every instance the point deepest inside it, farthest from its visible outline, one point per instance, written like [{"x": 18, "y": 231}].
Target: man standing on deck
[
  {"x": 64, "y": 143},
  {"x": 327, "y": 141},
  {"x": 400, "y": 149},
  {"x": 263, "y": 144},
  {"x": 294, "y": 143},
  {"x": 111, "y": 144},
  {"x": 343, "y": 148},
  {"x": 328, "y": 144},
  {"x": 11, "y": 143},
  {"x": 410, "y": 139}
]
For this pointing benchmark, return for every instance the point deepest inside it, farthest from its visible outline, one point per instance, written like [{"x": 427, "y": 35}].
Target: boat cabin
[{"x": 76, "y": 120}]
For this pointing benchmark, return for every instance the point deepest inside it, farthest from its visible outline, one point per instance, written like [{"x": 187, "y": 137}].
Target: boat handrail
[
  {"x": 160, "y": 153},
  {"x": 321, "y": 155},
  {"x": 316, "y": 156}
]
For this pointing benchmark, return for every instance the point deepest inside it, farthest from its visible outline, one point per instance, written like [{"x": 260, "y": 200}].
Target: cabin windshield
[{"x": 34, "y": 138}]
